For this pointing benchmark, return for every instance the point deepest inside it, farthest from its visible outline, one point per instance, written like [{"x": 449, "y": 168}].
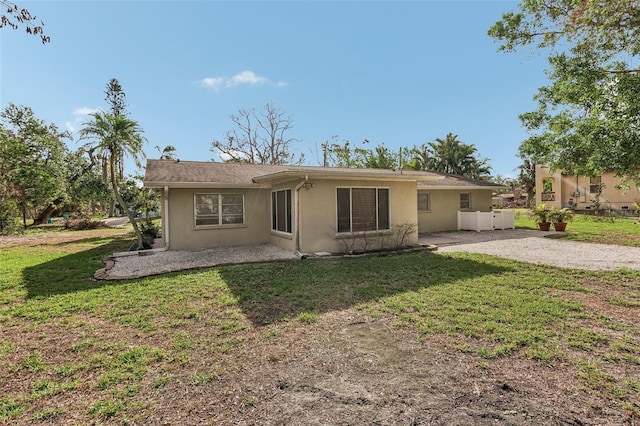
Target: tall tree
[
  {"x": 381, "y": 157},
  {"x": 117, "y": 100},
  {"x": 419, "y": 158},
  {"x": 14, "y": 17},
  {"x": 115, "y": 97},
  {"x": 261, "y": 138},
  {"x": 167, "y": 153},
  {"x": 527, "y": 177},
  {"x": 450, "y": 155},
  {"x": 32, "y": 162},
  {"x": 588, "y": 116},
  {"x": 115, "y": 136}
]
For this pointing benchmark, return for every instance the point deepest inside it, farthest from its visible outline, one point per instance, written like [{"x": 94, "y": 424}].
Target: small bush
[
  {"x": 82, "y": 224},
  {"x": 150, "y": 231}
]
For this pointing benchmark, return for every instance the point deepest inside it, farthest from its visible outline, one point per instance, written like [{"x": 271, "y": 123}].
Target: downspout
[
  {"x": 165, "y": 219},
  {"x": 297, "y": 214}
]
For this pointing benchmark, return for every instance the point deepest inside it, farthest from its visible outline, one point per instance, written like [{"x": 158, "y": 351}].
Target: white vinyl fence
[{"x": 486, "y": 221}]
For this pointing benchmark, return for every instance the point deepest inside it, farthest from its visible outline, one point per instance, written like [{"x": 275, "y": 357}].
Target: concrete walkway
[{"x": 153, "y": 262}]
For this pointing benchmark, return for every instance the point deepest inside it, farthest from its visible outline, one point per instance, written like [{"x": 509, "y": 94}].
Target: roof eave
[
  {"x": 486, "y": 187},
  {"x": 179, "y": 185},
  {"x": 342, "y": 175}
]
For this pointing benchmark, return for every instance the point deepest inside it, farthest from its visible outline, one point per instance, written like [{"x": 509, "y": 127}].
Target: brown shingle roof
[
  {"x": 197, "y": 173},
  {"x": 455, "y": 181}
]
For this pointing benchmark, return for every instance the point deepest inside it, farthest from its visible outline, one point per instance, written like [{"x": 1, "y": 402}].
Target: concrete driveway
[{"x": 534, "y": 246}]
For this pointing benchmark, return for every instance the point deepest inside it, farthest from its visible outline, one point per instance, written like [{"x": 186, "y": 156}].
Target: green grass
[
  {"x": 593, "y": 229},
  {"x": 120, "y": 342}
]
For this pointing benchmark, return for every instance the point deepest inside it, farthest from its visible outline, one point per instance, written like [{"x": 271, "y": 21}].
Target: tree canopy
[
  {"x": 32, "y": 162},
  {"x": 588, "y": 116},
  {"x": 448, "y": 155}
]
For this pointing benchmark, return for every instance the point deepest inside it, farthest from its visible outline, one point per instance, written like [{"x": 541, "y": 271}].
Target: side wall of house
[
  {"x": 444, "y": 205},
  {"x": 318, "y": 216},
  {"x": 184, "y": 235}
]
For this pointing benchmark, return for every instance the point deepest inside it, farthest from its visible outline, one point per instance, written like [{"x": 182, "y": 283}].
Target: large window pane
[
  {"x": 207, "y": 212},
  {"x": 281, "y": 210},
  {"x": 344, "y": 209},
  {"x": 362, "y": 209},
  {"x": 383, "y": 209},
  {"x": 274, "y": 210},
  {"x": 232, "y": 209},
  {"x": 218, "y": 209}
]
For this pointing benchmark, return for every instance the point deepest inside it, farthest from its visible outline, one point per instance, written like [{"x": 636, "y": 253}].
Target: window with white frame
[
  {"x": 362, "y": 209},
  {"x": 281, "y": 210},
  {"x": 465, "y": 201},
  {"x": 218, "y": 209},
  {"x": 424, "y": 201}
]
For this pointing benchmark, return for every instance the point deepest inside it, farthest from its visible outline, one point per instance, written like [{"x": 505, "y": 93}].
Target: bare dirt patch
[
  {"x": 352, "y": 369},
  {"x": 56, "y": 236}
]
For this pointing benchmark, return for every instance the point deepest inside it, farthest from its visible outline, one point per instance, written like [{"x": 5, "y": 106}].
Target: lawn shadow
[
  {"x": 72, "y": 272},
  {"x": 279, "y": 291}
]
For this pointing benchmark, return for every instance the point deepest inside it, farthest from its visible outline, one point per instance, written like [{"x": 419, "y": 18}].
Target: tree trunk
[
  {"x": 24, "y": 214},
  {"x": 44, "y": 215},
  {"x": 130, "y": 215}
]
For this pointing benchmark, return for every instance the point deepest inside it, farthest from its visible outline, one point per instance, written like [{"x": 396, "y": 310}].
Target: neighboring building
[
  {"x": 556, "y": 189},
  {"x": 306, "y": 209}
]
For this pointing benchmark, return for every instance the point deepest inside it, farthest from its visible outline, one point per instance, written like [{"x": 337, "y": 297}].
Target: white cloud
[
  {"x": 243, "y": 78},
  {"x": 79, "y": 117},
  {"x": 246, "y": 77},
  {"x": 213, "y": 83}
]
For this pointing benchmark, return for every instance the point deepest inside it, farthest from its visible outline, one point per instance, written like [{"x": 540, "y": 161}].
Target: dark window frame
[
  {"x": 281, "y": 218},
  {"x": 358, "y": 212}
]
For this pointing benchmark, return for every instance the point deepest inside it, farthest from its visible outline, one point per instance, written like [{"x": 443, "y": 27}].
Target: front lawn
[
  {"x": 258, "y": 344},
  {"x": 593, "y": 229}
]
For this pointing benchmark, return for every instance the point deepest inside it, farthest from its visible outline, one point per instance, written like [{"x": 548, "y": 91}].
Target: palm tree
[
  {"x": 113, "y": 137},
  {"x": 167, "y": 153},
  {"x": 449, "y": 155}
]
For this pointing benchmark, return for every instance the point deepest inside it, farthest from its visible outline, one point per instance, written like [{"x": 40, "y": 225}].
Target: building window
[
  {"x": 595, "y": 185},
  {"x": 424, "y": 201},
  {"x": 281, "y": 211},
  {"x": 219, "y": 209},
  {"x": 362, "y": 209},
  {"x": 465, "y": 201}
]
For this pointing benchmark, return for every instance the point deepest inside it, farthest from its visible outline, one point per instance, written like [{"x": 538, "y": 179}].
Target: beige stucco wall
[
  {"x": 572, "y": 191},
  {"x": 445, "y": 203},
  {"x": 183, "y": 234},
  {"x": 318, "y": 214}
]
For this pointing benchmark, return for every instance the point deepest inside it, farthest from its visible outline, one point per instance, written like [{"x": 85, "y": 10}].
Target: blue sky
[{"x": 395, "y": 73}]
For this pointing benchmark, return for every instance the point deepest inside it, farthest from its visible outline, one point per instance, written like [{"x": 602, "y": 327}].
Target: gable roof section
[
  {"x": 458, "y": 182},
  {"x": 200, "y": 174}
]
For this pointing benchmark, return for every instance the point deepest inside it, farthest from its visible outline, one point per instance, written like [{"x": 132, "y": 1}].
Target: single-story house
[
  {"x": 306, "y": 209},
  {"x": 560, "y": 190}
]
